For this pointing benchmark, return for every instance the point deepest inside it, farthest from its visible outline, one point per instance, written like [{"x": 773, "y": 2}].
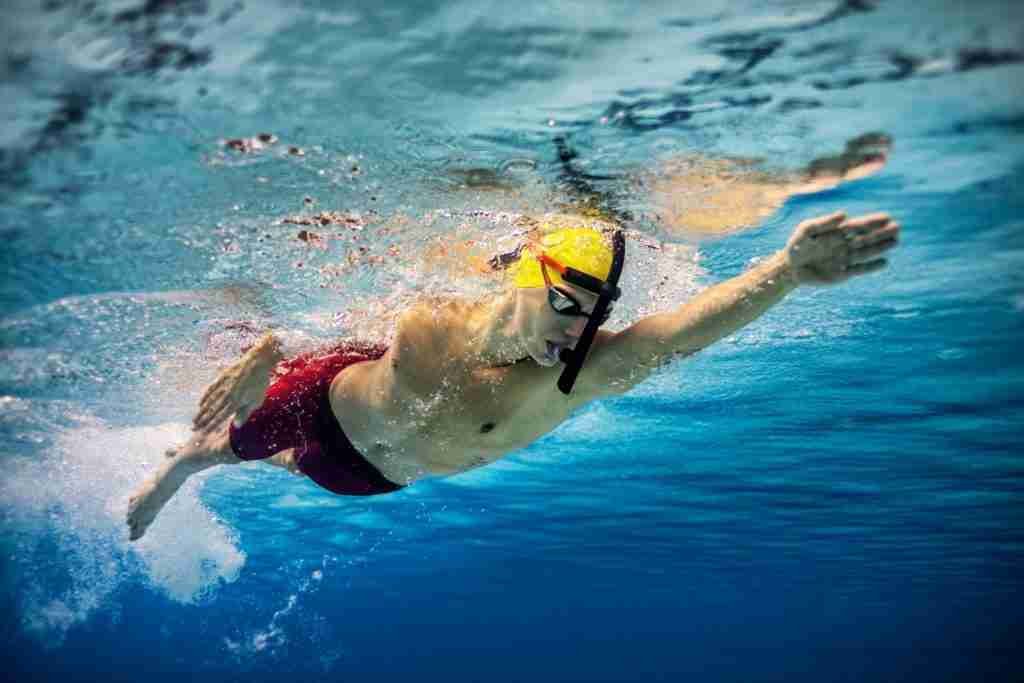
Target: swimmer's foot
[
  {"x": 863, "y": 156},
  {"x": 202, "y": 451}
]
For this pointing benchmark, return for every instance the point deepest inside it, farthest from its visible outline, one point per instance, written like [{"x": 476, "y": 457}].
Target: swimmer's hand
[
  {"x": 834, "y": 248},
  {"x": 233, "y": 395},
  {"x": 240, "y": 388}
]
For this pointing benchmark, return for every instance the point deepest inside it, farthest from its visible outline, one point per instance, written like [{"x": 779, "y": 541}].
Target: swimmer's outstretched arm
[{"x": 821, "y": 251}]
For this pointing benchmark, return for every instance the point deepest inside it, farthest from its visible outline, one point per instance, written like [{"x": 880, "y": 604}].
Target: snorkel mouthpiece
[{"x": 607, "y": 291}]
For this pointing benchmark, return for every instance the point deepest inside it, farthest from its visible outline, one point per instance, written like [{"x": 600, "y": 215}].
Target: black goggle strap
[
  {"x": 588, "y": 282},
  {"x": 607, "y": 292}
]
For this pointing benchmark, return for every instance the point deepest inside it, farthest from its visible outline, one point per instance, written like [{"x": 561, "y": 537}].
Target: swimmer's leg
[
  {"x": 232, "y": 396},
  {"x": 699, "y": 197},
  {"x": 200, "y": 453}
]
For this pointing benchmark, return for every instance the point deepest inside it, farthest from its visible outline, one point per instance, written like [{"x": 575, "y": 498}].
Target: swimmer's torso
[{"x": 448, "y": 416}]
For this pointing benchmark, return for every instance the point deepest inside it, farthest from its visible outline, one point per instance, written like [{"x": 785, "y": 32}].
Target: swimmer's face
[{"x": 546, "y": 331}]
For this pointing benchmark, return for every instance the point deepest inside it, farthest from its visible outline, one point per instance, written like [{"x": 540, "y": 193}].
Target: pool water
[{"x": 836, "y": 492}]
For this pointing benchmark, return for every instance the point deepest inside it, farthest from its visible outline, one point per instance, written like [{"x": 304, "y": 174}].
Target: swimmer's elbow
[
  {"x": 410, "y": 331},
  {"x": 412, "y": 340}
]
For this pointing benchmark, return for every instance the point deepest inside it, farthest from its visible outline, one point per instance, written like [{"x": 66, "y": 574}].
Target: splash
[
  {"x": 273, "y": 639},
  {"x": 69, "y": 503}
]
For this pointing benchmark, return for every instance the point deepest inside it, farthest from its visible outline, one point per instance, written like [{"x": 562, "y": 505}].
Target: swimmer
[{"x": 463, "y": 383}]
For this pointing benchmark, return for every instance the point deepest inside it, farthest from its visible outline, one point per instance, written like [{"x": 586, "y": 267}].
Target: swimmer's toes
[
  {"x": 140, "y": 511},
  {"x": 135, "y": 529},
  {"x": 138, "y": 519}
]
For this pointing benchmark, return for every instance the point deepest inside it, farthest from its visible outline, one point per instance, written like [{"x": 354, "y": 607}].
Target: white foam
[
  {"x": 75, "y": 496},
  {"x": 187, "y": 552}
]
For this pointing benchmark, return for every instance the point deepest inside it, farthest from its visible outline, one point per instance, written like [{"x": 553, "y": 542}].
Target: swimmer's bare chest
[{"x": 461, "y": 421}]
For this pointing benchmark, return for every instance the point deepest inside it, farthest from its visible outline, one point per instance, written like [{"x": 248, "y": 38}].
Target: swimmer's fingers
[
  {"x": 864, "y": 225},
  {"x": 872, "y": 251},
  {"x": 219, "y": 406},
  {"x": 240, "y": 385},
  {"x": 883, "y": 236},
  {"x": 238, "y": 399},
  {"x": 215, "y": 393},
  {"x": 815, "y": 227},
  {"x": 214, "y": 398},
  {"x": 864, "y": 268},
  {"x": 886, "y": 232},
  {"x": 212, "y": 418},
  {"x": 265, "y": 353}
]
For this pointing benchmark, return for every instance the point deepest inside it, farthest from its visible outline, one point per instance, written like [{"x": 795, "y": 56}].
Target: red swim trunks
[{"x": 296, "y": 413}]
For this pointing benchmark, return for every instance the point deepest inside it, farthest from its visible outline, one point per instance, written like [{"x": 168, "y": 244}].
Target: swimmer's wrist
[{"x": 778, "y": 268}]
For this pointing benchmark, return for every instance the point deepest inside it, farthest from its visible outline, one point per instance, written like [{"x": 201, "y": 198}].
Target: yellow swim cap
[{"x": 584, "y": 249}]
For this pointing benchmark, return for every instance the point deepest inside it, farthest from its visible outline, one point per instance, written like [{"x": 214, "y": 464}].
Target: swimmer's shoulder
[
  {"x": 430, "y": 320},
  {"x": 424, "y": 337}
]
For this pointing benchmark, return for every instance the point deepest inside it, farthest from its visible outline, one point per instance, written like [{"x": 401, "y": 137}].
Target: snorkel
[{"x": 607, "y": 291}]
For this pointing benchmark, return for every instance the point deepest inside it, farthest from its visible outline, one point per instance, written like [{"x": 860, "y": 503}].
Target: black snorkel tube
[{"x": 607, "y": 292}]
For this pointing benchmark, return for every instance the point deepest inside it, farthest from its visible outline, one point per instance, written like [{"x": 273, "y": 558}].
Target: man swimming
[{"x": 464, "y": 383}]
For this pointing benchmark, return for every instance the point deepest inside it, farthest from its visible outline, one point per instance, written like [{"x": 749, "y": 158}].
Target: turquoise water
[{"x": 833, "y": 493}]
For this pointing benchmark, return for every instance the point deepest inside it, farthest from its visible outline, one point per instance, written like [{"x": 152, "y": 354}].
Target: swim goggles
[{"x": 561, "y": 301}]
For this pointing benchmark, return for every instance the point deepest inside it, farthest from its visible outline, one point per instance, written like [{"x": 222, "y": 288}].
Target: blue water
[{"x": 834, "y": 493}]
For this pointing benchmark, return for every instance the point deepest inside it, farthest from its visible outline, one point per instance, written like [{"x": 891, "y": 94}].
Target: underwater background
[{"x": 835, "y": 493}]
